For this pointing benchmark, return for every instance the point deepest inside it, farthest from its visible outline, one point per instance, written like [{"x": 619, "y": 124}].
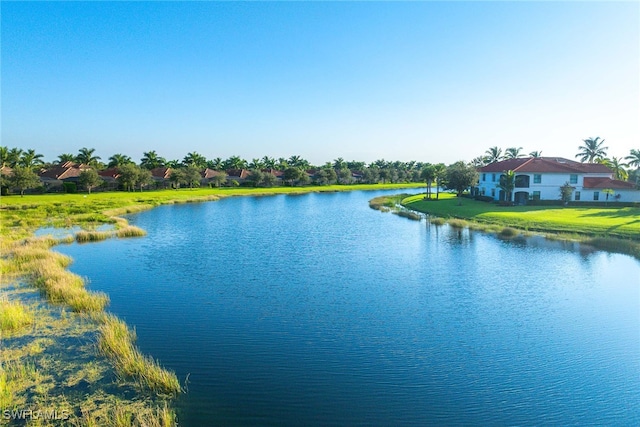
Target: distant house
[
  {"x": 110, "y": 177},
  {"x": 209, "y": 175},
  {"x": 540, "y": 178},
  {"x": 238, "y": 175},
  {"x": 161, "y": 176},
  {"x": 57, "y": 175}
]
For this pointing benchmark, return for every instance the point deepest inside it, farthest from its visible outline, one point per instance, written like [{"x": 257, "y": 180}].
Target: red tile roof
[
  {"x": 210, "y": 173},
  {"x": 545, "y": 164},
  {"x": 161, "y": 172},
  {"x": 63, "y": 171},
  {"x": 109, "y": 173},
  {"x": 238, "y": 173},
  {"x": 596, "y": 182}
]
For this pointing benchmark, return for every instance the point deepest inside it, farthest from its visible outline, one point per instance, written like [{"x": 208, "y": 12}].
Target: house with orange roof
[{"x": 540, "y": 178}]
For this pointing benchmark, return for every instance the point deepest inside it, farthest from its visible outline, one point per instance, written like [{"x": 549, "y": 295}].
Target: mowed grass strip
[{"x": 590, "y": 221}]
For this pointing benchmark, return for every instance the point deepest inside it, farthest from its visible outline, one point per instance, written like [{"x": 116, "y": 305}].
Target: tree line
[{"x": 295, "y": 170}]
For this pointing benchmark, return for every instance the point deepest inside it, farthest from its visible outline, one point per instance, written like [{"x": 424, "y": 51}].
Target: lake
[{"x": 317, "y": 310}]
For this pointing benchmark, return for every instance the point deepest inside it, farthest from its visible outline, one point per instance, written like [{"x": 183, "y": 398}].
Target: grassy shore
[
  {"x": 30, "y": 260},
  {"x": 610, "y": 228}
]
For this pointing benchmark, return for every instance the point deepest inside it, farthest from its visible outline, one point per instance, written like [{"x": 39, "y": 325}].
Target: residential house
[
  {"x": 161, "y": 176},
  {"x": 208, "y": 176},
  {"x": 540, "y": 178},
  {"x": 59, "y": 174},
  {"x": 238, "y": 175}
]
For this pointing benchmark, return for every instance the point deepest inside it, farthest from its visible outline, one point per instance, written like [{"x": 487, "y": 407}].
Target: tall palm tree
[
  {"x": 216, "y": 164},
  {"x": 536, "y": 154},
  {"x": 85, "y": 156},
  {"x": 65, "y": 157},
  {"x": 235, "y": 162},
  {"x": 119, "y": 160},
  {"x": 633, "y": 158},
  {"x": 4, "y": 151},
  {"x": 13, "y": 157},
  {"x": 195, "y": 159},
  {"x": 513, "y": 153},
  {"x": 256, "y": 164},
  {"x": 592, "y": 150},
  {"x": 493, "y": 154},
  {"x": 618, "y": 168},
  {"x": 508, "y": 183},
  {"x": 30, "y": 159},
  {"x": 269, "y": 162},
  {"x": 339, "y": 163},
  {"x": 151, "y": 160}
]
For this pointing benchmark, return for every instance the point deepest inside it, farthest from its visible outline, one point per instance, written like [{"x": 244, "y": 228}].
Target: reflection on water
[{"x": 318, "y": 310}]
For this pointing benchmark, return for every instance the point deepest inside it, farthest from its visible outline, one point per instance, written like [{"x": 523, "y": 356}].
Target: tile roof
[
  {"x": 598, "y": 182},
  {"x": 545, "y": 164},
  {"x": 109, "y": 173},
  {"x": 161, "y": 172},
  {"x": 210, "y": 173},
  {"x": 63, "y": 171}
]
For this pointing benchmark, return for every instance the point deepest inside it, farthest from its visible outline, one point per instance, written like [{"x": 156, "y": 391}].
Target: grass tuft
[
  {"x": 508, "y": 232},
  {"x": 92, "y": 236},
  {"x": 458, "y": 223},
  {"x": 612, "y": 244},
  {"x": 410, "y": 215},
  {"x": 131, "y": 231},
  {"x": 14, "y": 315},
  {"x": 436, "y": 220},
  {"x": 116, "y": 342}
]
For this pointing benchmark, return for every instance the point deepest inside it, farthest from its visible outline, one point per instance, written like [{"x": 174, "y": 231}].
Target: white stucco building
[{"x": 540, "y": 178}]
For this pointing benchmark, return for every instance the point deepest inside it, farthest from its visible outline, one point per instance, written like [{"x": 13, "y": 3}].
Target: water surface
[{"x": 316, "y": 310}]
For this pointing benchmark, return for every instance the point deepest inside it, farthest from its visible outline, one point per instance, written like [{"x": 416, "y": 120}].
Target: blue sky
[{"x": 426, "y": 81}]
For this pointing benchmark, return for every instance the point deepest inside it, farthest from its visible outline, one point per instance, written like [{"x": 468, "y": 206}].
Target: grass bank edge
[{"x": 612, "y": 233}]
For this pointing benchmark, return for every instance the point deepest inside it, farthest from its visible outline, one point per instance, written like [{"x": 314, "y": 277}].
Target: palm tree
[
  {"x": 64, "y": 158},
  {"x": 235, "y": 162},
  {"x": 508, "y": 183},
  {"x": 618, "y": 168},
  {"x": 592, "y": 150},
  {"x": 428, "y": 175},
  {"x": 256, "y": 164},
  {"x": 513, "y": 153},
  {"x": 4, "y": 151},
  {"x": 634, "y": 158},
  {"x": 215, "y": 164},
  {"x": 118, "y": 160},
  {"x": 13, "y": 157},
  {"x": 195, "y": 159},
  {"x": 536, "y": 154},
  {"x": 151, "y": 160},
  {"x": 30, "y": 159},
  {"x": 269, "y": 162},
  {"x": 85, "y": 156},
  {"x": 493, "y": 154},
  {"x": 339, "y": 163}
]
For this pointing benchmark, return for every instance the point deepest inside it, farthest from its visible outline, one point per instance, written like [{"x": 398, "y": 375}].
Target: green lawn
[{"x": 604, "y": 221}]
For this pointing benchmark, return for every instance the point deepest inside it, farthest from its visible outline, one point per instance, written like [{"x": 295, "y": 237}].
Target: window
[
  {"x": 483, "y": 191},
  {"x": 493, "y": 193},
  {"x": 577, "y": 196},
  {"x": 536, "y": 195},
  {"x": 484, "y": 176},
  {"x": 596, "y": 195},
  {"x": 493, "y": 177},
  {"x": 537, "y": 178},
  {"x": 573, "y": 179}
]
